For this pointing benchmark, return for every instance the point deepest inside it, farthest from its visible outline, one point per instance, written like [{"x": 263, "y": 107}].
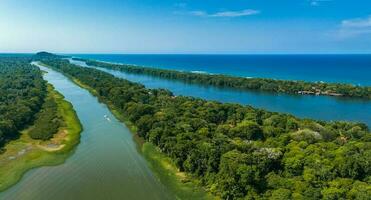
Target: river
[
  {"x": 105, "y": 165},
  {"x": 304, "y": 106}
]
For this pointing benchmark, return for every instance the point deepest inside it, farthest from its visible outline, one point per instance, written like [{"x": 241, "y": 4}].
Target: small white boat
[{"x": 107, "y": 118}]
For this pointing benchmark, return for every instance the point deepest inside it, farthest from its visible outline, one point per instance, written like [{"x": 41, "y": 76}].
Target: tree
[{"x": 247, "y": 130}]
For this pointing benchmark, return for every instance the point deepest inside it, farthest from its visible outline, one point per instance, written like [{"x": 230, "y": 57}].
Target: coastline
[
  {"x": 25, "y": 154},
  {"x": 180, "y": 184},
  {"x": 291, "y": 87},
  {"x": 319, "y": 107}
]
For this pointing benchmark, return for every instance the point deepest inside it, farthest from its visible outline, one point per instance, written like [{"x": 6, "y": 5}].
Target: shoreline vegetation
[
  {"x": 183, "y": 186},
  {"x": 25, "y": 153},
  {"x": 237, "y": 151},
  {"x": 257, "y": 84},
  {"x": 22, "y": 93}
]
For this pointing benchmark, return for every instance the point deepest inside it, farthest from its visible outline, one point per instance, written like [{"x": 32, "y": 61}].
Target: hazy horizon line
[{"x": 150, "y": 53}]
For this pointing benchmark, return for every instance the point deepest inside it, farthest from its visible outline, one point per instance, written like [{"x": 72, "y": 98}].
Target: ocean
[{"x": 354, "y": 69}]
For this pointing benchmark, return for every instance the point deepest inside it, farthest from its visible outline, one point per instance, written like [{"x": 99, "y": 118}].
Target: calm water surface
[
  {"x": 106, "y": 164},
  {"x": 351, "y": 68},
  {"x": 316, "y": 107}
]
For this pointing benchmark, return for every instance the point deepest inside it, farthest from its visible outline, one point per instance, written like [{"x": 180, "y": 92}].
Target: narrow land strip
[{"x": 25, "y": 153}]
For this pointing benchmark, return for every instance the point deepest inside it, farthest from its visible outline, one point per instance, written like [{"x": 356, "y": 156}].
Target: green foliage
[
  {"x": 22, "y": 93},
  {"x": 45, "y": 55},
  {"x": 12, "y": 171},
  {"x": 247, "y": 130},
  {"x": 239, "y": 151},
  {"x": 263, "y": 84},
  {"x": 47, "y": 121}
]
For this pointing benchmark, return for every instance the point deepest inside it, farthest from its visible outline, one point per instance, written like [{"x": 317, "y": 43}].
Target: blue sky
[{"x": 188, "y": 26}]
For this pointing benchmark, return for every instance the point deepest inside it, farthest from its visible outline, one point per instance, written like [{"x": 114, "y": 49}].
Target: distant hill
[{"x": 46, "y": 55}]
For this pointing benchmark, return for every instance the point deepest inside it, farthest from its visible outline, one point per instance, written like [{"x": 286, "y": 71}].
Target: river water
[
  {"x": 105, "y": 165},
  {"x": 304, "y": 106}
]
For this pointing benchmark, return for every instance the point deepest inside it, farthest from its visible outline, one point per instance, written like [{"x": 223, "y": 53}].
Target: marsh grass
[{"x": 25, "y": 153}]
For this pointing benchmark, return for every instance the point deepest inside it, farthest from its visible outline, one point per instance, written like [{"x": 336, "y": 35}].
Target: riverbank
[
  {"x": 24, "y": 154},
  {"x": 180, "y": 184}
]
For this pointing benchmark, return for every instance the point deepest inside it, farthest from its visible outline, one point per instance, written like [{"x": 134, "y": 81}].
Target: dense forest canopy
[
  {"x": 22, "y": 93},
  {"x": 239, "y": 151},
  {"x": 47, "y": 120},
  {"x": 263, "y": 84}
]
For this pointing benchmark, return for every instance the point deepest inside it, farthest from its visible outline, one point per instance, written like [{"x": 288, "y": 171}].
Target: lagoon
[{"x": 304, "y": 106}]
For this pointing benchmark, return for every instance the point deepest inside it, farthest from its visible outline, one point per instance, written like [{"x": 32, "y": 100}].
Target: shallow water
[
  {"x": 105, "y": 165},
  {"x": 305, "y": 106}
]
